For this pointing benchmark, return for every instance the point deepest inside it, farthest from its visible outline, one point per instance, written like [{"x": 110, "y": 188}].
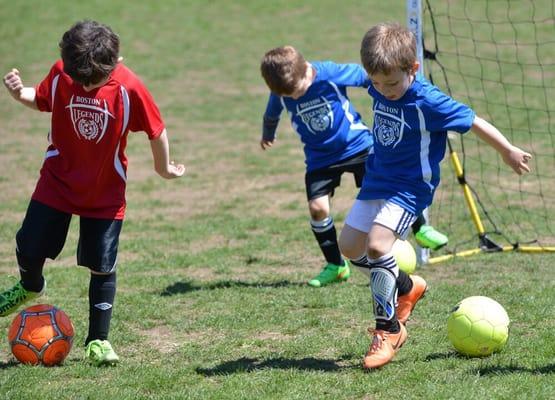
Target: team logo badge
[
  {"x": 388, "y": 128},
  {"x": 89, "y": 117},
  {"x": 387, "y": 131},
  {"x": 316, "y": 117}
]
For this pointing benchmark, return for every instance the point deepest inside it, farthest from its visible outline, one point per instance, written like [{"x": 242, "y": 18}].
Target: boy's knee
[
  {"x": 349, "y": 253},
  {"x": 376, "y": 249},
  {"x": 374, "y": 253},
  {"x": 319, "y": 208},
  {"x": 318, "y": 215},
  {"x": 317, "y": 212},
  {"x": 349, "y": 246}
]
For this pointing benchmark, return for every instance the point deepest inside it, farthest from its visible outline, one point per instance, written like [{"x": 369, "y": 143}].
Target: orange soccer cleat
[
  {"x": 384, "y": 346},
  {"x": 406, "y": 303}
]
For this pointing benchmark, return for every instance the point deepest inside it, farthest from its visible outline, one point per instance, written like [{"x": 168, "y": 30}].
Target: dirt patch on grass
[
  {"x": 271, "y": 336},
  {"x": 162, "y": 339}
]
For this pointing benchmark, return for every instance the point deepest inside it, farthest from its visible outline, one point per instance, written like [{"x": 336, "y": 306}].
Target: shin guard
[{"x": 384, "y": 292}]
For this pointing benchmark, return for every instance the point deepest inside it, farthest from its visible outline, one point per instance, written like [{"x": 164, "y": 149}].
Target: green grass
[{"x": 212, "y": 299}]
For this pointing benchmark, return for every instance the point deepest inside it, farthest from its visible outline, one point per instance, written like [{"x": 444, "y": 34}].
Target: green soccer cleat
[
  {"x": 99, "y": 352},
  {"x": 331, "y": 273},
  {"x": 11, "y": 299},
  {"x": 428, "y": 238}
]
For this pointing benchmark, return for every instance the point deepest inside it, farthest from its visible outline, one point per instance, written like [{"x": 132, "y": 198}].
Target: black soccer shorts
[
  {"x": 44, "y": 231},
  {"x": 322, "y": 182}
]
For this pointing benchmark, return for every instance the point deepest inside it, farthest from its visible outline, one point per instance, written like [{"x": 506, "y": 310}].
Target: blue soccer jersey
[
  {"x": 410, "y": 137},
  {"x": 324, "y": 118}
]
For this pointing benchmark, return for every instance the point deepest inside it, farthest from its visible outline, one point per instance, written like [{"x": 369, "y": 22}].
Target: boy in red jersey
[{"x": 94, "y": 101}]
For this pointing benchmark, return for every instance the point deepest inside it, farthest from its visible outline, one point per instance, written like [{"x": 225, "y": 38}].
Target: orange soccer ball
[{"x": 41, "y": 334}]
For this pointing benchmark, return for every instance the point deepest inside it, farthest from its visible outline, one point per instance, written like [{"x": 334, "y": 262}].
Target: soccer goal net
[{"x": 498, "y": 56}]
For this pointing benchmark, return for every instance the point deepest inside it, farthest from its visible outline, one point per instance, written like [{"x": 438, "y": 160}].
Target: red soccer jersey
[{"x": 84, "y": 171}]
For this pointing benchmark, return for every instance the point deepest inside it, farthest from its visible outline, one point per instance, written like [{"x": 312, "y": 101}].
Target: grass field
[{"x": 212, "y": 301}]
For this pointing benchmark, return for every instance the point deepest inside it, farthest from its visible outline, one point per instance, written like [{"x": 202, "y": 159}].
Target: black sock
[
  {"x": 388, "y": 325},
  {"x": 404, "y": 283},
  {"x": 102, "y": 290},
  {"x": 326, "y": 235},
  {"x": 30, "y": 271},
  {"x": 420, "y": 220}
]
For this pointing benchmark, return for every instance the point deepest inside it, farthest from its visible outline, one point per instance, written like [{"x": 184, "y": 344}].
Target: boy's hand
[
  {"x": 265, "y": 144},
  {"x": 13, "y": 83},
  {"x": 174, "y": 171},
  {"x": 517, "y": 159}
]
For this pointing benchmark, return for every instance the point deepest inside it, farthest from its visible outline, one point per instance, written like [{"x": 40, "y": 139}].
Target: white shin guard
[{"x": 384, "y": 292}]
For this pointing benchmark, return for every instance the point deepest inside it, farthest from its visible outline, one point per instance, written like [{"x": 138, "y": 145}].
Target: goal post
[
  {"x": 497, "y": 56},
  {"x": 414, "y": 23}
]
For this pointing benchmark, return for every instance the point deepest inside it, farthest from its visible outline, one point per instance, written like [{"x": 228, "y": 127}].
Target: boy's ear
[
  {"x": 120, "y": 59},
  {"x": 415, "y": 67}
]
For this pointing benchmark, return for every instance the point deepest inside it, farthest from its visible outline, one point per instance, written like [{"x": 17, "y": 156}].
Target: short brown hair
[
  {"x": 387, "y": 47},
  {"x": 283, "y": 68},
  {"x": 90, "y": 52}
]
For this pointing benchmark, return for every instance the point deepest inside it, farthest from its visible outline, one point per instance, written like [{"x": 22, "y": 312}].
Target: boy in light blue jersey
[
  {"x": 411, "y": 121},
  {"x": 335, "y": 139}
]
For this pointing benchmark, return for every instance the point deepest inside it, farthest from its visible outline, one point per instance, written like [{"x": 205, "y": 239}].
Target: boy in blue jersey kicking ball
[
  {"x": 335, "y": 141},
  {"x": 411, "y": 121}
]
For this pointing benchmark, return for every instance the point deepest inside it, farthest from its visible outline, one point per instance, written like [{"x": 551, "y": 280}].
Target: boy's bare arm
[
  {"x": 513, "y": 156},
  {"x": 14, "y": 84},
  {"x": 161, "y": 154}
]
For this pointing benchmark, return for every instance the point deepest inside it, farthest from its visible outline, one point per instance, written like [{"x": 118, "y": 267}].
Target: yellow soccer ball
[
  {"x": 405, "y": 256},
  {"x": 478, "y": 326}
]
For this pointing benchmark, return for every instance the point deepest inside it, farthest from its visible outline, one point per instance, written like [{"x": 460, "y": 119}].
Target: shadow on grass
[
  {"x": 515, "y": 369},
  {"x": 185, "y": 287},
  {"x": 254, "y": 364},
  {"x": 8, "y": 364},
  {"x": 443, "y": 356},
  {"x": 495, "y": 369}
]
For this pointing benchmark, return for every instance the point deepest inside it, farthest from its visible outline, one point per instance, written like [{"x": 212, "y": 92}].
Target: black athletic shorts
[
  {"x": 322, "y": 182},
  {"x": 44, "y": 231}
]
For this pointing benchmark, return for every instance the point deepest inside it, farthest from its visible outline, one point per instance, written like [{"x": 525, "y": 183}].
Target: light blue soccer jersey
[
  {"x": 410, "y": 136},
  {"x": 324, "y": 118}
]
